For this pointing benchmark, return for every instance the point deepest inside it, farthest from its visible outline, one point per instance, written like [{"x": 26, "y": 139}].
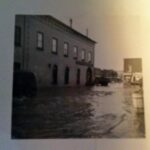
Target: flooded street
[{"x": 79, "y": 112}]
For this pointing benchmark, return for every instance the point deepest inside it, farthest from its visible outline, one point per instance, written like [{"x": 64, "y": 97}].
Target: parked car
[
  {"x": 104, "y": 81},
  {"x": 24, "y": 84}
]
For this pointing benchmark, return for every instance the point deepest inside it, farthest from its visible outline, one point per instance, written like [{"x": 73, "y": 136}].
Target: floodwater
[{"x": 79, "y": 112}]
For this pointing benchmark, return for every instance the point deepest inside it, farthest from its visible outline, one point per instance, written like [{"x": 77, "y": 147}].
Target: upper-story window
[
  {"x": 66, "y": 49},
  {"x": 75, "y": 52},
  {"x": 89, "y": 58},
  {"x": 83, "y": 55},
  {"x": 17, "y": 36},
  {"x": 54, "y": 45},
  {"x": 40, "y": 40}
]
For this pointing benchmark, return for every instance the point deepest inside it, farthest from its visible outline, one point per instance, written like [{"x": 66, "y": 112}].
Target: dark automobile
[
  {"x": 24, "y": 84},
  {"x": 103, "y": 81}
]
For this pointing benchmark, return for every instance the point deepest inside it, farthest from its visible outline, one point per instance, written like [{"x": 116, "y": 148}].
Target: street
[{"x": 79, "y": 112}]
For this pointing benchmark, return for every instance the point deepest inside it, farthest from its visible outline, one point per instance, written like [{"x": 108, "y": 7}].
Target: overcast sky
[{"x": 114, "y": 24}]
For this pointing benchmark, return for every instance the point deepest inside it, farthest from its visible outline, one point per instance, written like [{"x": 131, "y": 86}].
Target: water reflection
[{"x": 83, "y": 112}]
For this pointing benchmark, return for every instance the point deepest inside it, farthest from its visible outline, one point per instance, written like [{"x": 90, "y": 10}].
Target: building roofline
[
  {"x": 133, "y": 58},
  {"x": 67, "y": 26},
  {"x": 75, "y": 31}
]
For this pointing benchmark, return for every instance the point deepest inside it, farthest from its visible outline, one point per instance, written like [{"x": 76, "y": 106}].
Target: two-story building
[{"x": 55, "y": 52}]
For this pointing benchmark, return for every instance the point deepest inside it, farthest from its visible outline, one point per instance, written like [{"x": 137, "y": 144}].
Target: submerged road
[{"x": 79, "y": 112}]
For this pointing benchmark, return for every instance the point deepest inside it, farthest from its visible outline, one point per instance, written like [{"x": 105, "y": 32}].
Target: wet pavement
[{"x": 79, "y": 112}]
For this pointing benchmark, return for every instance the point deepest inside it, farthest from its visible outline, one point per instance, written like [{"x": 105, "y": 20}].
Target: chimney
[
  {"x": 87, "y": 32},
  {"x": 71, "y": 22}
]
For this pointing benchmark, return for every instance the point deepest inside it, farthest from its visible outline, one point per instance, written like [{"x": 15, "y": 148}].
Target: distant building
[
  {"x": 110, "y": 74},
  {"x": 120, "y": 75},
  {"x": 97, "y": 72},
  {"x": 132, "y": 70},
  {"x": 56, "y": 53}
]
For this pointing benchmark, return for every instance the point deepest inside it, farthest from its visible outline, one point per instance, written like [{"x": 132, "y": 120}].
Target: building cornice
[{"x": 63, "y": 26}]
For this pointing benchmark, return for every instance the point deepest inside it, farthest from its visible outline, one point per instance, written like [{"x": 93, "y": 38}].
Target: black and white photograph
[{"x": 69, "y": 81}]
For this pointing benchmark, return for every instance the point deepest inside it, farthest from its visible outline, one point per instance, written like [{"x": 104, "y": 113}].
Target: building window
[
  {"x": 54, "y": 45},
  {"x": 83, "y": 55},
  {"x": 66, "y": 49},
  {"x": 75, "y": 52},
  {"x": 17, "y": 36},
  {"x": 40, "y": 40},
  {"x": 89, "y": 59}
]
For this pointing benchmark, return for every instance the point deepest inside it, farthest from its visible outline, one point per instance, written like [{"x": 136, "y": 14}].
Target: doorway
[
  {"x": 89, "y": 76},
  {"x": 66, "y": 75},
  {"x": 78, "y": 76},
  {"x": 54, "y": 74}
]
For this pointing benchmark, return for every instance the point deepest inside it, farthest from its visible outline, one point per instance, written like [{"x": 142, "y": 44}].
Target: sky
[{"x": 116, "y": 25}]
